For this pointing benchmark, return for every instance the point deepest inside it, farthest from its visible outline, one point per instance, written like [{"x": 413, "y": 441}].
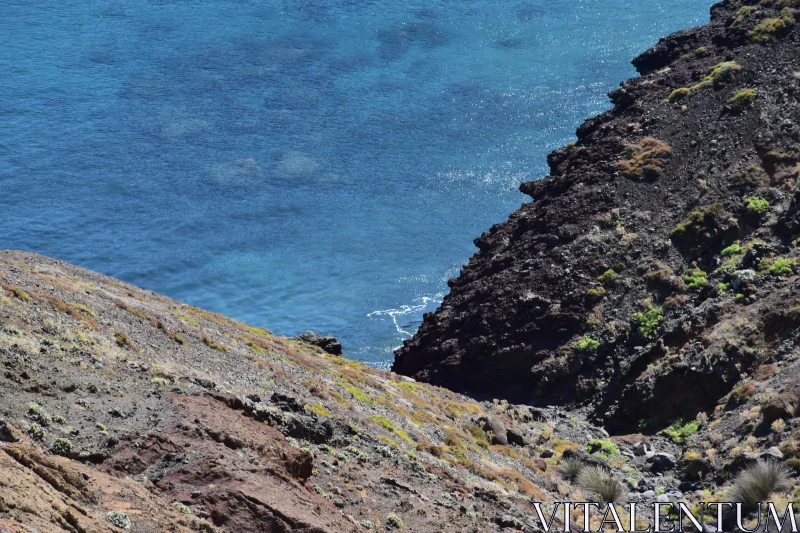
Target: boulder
[
  {"x": 318, "y": 430},
  {"x": 697, "y": 468},
  {"x": 516, "y": 437},
  {"x": 781, "y": 406},
  {"x": 325, "y": 342},
  {"x": 498, "y": 429},
  {"x": 640, "y": 449},
  {"x": 663, "y": 461},
  {"x": 6, "y": 433}
]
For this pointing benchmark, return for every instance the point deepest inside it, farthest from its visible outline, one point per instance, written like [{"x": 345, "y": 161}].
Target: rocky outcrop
[
  {"x": 326, "y": 342},
  {"x": 657, "y": 262}
]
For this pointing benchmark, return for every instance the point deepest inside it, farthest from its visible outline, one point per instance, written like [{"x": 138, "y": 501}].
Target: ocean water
[{"x": 296, "y": 164}]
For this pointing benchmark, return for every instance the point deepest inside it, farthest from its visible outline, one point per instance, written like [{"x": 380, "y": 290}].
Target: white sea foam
[{"x": 418, "y": 306}]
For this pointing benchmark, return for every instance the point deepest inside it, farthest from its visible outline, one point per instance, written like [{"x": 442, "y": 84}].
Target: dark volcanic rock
[
  {"x": 610, "y": 289},
  {"x": 326, "y": 342}
]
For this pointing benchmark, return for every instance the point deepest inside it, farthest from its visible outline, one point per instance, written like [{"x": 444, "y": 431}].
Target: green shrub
[
  {"x": 680, "y": 430},
  {"x": 586, "y": 344},
  {"x": 605, "y": 446},
  {"x": 679, "y": 94},
  {"x": 743, "y": 97},
  {"x": 701, "y": 51},
  {"x": 40, "y": 415},
  {"x": 782, "y": 267},
  {"x": 725, "y": 71},
  {"x": 394, "y": 521},
  {"x": 696, "y": 220},
  {"x": 119, "y": 519},
  {"x": 769, "y": 29},
  {"x": 182, "y": 508},
  {"x": 756, "y": 205},
  {"x": 723, "y": 287},
  {"x": 695, "y": 278},
  {"x": 164, "y": 382},
  {"x": 756, "y": 483},
  {"x": 733, "y": 249},
  {"x": 600, "y": 481},
  {"x": 62, "y": 447},
  {"x": 596, "y": 292},
  {"x": 36, "y": 432},
  {"x": 647, "y": 321},
  {"x": 742, "y": 14},
  {"x": 609, "y": 277}
]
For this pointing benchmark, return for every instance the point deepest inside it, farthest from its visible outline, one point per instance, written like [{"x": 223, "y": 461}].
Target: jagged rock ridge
[{"x": 657, "y": 262}]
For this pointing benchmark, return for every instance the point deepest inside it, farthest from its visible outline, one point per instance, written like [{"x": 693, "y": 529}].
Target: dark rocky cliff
[{"x": 656, "y": 265}]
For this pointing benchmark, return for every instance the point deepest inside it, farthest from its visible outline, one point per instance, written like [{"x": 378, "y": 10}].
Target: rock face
[{"x": 657, "y": 261}]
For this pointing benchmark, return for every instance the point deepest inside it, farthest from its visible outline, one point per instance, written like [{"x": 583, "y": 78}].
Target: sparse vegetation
[
  {"x": 38, "y": 414},
  {"x": 645, "y": 160},
  {"x": 679, "y": 94},
  {"x": 756, "y": 483},
  {"x": 119, "y": 519},
  {"x": 604, "y": 446},
  {"x": 18, "y": 293},
  {"x": 600, "y": 481},
  {"x": 62, "y": 447},
  {"x": 609, "y": 277},
  {"x": 572, "y": 468},
  {"x": 770, "y": 28},
  {"x": 122, "y": 339},
  {"x": 214, "y": 345},
  {"x": 181, "y": 508},
  {"x": 36, "y": 432},
  {"x": 743, "y": 97},
  {"x": 696, "y": 221},
  {"x": 782, "y": 266},
  {"x": 647, "y": 321},
  {"x": 733, "y": 249},
  {"x": 722, "y": 72},
  {"x": 394, "y": 521},
  {"x": 162, "y": 381},
  {"x": 695, "y": 278},
  {"x": 756, "y": 205},
  {"x": 596, "y": 292},
  {"x": 680, "y": 430},
  {"x": 586, "y": 344}
]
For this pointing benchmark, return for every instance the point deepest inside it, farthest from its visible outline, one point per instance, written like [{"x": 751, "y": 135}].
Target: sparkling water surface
[{"x": 299, "y": 164}]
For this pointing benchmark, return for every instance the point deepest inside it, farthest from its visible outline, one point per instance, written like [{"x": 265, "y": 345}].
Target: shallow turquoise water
[{"x": 296, "y": 164}]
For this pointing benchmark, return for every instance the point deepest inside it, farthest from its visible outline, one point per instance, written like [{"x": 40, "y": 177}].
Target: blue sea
[{"x": 296, "y": 164}]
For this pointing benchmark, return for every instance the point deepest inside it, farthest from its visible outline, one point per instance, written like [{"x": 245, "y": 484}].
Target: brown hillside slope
[{"x": 116, "y": 399}]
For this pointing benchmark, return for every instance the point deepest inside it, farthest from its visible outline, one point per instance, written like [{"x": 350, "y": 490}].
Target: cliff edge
[{"x": 656, "y": 266}]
